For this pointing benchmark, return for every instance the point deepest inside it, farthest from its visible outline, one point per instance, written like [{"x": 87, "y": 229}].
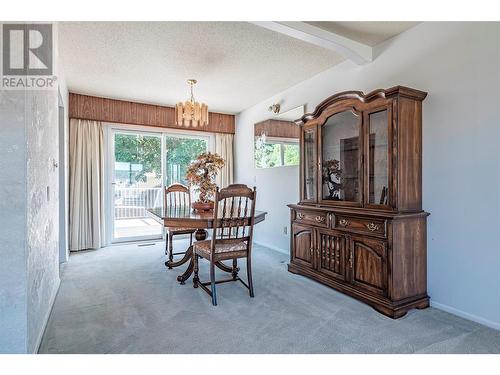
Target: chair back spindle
[
  {"x": 177, "y": 196},
  {"x": 234, "y": 215}
]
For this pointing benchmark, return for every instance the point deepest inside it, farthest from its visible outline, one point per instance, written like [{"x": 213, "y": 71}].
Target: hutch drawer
[
  {"x": 361, "y": 225},
  {"x": 319, "y": 219}
]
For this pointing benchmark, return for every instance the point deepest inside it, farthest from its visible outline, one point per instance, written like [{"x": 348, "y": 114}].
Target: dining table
[{"x": 186, "y": 217}]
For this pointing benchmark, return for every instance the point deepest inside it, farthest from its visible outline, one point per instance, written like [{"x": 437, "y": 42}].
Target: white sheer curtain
[
  {"x": 86, "y": 186},
  {"x": 224, "y": 147}
]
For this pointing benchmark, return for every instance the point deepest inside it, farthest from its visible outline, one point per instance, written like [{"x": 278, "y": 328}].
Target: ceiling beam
[{"x": 358, "y": 52}]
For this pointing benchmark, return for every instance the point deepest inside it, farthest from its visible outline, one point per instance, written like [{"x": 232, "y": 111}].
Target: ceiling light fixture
[{"x": 191, "y": 113}]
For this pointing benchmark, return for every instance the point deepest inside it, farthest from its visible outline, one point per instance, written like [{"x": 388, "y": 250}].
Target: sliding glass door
[
  {"x": 180, "y": 150},
  {"x": 137, "y": 185},
  {"x": 141, "y": 165}
]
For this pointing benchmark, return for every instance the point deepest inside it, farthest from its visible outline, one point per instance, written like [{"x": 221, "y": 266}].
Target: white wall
[
  {"x": 29, "y": 227},
  {"x": 458, "y": 64},
  {"x": 29, "y": 271},
  {"x": 42, "y": 208},
  {"x": 13, "y": 323}
]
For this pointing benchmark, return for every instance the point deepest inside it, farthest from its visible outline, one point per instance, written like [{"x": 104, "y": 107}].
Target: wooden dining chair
[
  {"x": 234, "y": 219},
  {"x": 177, "y": 196}
]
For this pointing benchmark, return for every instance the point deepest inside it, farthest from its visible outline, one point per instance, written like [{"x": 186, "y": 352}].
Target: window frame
[{"x": 281, "y": 141}]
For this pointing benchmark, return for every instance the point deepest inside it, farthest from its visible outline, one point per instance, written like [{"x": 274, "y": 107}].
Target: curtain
[
  {"x": 86, "y": 186},
  {"x": 224, "y": 147}
]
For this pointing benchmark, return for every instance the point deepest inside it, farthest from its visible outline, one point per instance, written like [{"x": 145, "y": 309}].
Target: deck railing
[{"x": 131, "y": 203}]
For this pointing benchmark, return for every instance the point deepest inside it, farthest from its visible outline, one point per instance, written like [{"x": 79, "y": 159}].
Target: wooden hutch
[{"x": 359, "y": 226}]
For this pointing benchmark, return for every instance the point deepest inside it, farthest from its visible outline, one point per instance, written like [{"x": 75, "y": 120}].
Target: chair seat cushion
[{"x": 224, "y": 247}]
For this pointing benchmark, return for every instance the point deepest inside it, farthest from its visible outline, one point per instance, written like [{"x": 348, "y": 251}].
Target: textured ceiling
[
  {"x": 237, "y": 64},
  {"x": 370, "y": 33}
]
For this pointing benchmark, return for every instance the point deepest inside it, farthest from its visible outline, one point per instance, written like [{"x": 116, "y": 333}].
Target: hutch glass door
[
  {"x": 341, "y": 158},
  {"x": 378, "y": 158},
  {"x": 310, "y": 157}
]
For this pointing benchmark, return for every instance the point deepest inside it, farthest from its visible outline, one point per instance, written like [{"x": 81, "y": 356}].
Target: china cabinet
[{"x": 359, "y": 226}]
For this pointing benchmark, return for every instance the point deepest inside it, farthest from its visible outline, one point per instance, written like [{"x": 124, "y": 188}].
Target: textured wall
[
  {"x": 457, "y": 63},
  {"x": 29, "y": 229},
  {"x": 29, "y": 270},
  {"x": 13, "y": 324},
  {"x": 29, "y": 204},
  {"x": 42, "y": 135}
]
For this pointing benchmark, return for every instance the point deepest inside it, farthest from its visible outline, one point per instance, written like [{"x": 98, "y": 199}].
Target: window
[
  {"x": 276, "y": 152},
  {"x": 181, "y": 150}
]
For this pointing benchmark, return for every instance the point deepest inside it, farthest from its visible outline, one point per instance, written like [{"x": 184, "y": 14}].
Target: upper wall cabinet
[{"x": 364, "y": 151}]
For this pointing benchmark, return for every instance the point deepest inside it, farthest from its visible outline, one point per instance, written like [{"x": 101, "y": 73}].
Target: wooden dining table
[{"x": 186, "y": 217}]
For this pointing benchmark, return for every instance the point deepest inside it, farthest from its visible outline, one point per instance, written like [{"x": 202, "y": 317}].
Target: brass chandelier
[{"x": 191, "y": 113}]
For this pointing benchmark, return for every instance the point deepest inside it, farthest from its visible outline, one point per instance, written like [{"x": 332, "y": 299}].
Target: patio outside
[{"x": 131, "y": 219}]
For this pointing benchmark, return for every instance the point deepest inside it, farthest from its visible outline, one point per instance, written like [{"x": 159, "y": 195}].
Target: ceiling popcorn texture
[{"x": 237, "y": 64}]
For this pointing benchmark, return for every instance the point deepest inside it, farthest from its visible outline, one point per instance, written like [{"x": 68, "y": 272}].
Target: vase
[{"x": 203, "y": 206}]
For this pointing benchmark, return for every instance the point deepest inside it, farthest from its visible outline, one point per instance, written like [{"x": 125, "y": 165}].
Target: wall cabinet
[{"x": 359, "y": 225}]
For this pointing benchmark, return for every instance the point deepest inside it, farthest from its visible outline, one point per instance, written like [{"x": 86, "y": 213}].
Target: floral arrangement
[{"x": 201, "y": 174}]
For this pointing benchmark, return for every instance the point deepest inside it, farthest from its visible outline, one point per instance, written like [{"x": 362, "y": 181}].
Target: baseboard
[
  {"x": 46, "y": 318},
  {"x": 275, "y": 248},
  {"x": 465, "y": 315}
]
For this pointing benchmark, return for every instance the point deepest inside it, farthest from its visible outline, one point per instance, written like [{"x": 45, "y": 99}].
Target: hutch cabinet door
[
  {"x": 368, "y": 264},
  {"x": 340, "y": 153},
  {"x": 331, "y": 254},
  {"x": 303, "y": 245},
  {"x": 378, "y": 160},
  {"x": 309, "y": 162}
]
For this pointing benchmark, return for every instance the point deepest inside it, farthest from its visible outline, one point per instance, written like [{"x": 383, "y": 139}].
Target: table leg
[
  {"x": 187, "y": 256},
  {"x": 189, "y": 270},
  {"x": 201, "y": 234}
]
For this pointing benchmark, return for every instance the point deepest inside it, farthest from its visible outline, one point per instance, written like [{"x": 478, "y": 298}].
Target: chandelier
[{"x": 191, "y": 113}]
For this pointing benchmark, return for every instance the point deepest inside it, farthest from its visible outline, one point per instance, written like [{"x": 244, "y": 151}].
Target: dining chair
[
  {"x": 234, "y": 219},
  {"x": 177, "y": 196}
]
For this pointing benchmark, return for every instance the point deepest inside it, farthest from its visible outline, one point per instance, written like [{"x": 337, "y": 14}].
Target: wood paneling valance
[
  {"x": 125, "y": 112},
  {"x": 277, "y": 128}
]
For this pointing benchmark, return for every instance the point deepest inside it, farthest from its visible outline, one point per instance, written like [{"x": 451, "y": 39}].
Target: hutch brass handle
[
  {"x": 300, "y": 215},
  {"x": 320, "y": 219},
  {"x": 372, "y": 227},
  {"x": 343, "y": 222},
  {"x": 350, "y": 260}
]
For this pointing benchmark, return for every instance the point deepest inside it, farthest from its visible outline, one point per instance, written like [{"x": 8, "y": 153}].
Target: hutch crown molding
[{"x": 359, "y": 226}]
